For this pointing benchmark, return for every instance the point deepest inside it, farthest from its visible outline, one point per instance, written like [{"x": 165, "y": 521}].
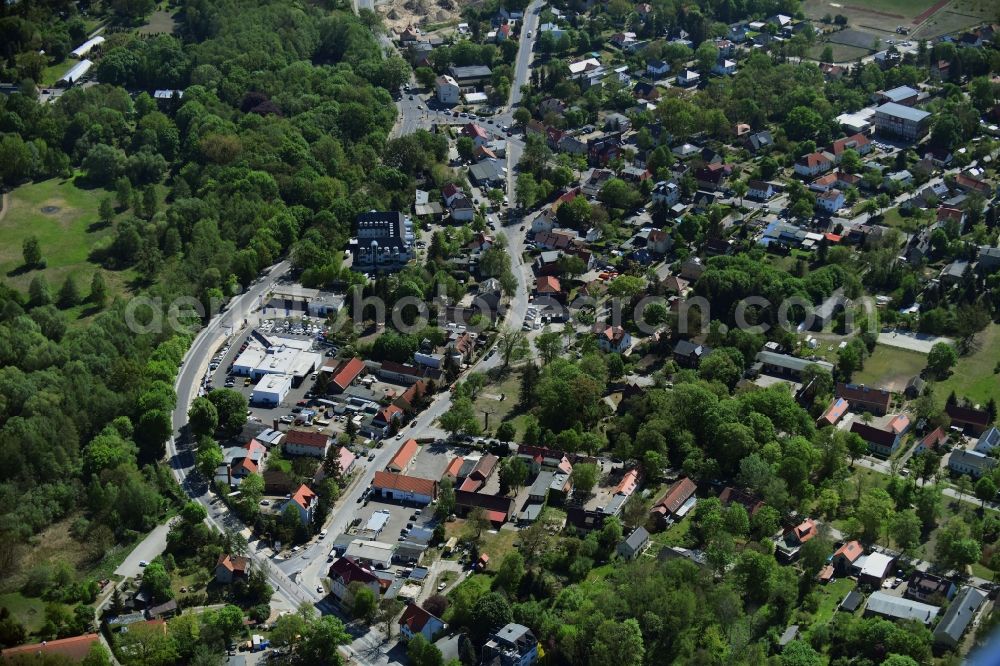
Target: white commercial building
[
  {"x": 271, "y": 390},
  {"x": 281, "y": 357},
  {"x": 373, "y": 553}
]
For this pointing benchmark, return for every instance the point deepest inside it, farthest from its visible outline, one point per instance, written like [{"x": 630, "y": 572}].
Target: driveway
[{"x": 154, "y": 544}]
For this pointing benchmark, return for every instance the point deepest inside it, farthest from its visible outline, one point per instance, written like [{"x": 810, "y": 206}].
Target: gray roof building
[
  {"x": 960, "y": 613},
  {"x": 897, "y": 608}
]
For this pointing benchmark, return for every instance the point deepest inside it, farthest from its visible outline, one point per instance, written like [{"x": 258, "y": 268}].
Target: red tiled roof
[
  {"x": 872, "y": 434},
  {"x": 316, "y": 440},
  {"x": 675, "y": 497},
  {"x": 934, "y": 439},
  {"x": 814, "y": 159},
  {"x": 496, "y": 516},
  {"x": 75, "y": 648},
  {"x": 346, "y": 459},
  {"x": 389, "y": 411},
  {"x": 349, "y": 571},
  {"x": 347, "y": 372},
  {"x": 864, "y": 394},
  {"x": 806, "y": 531},
  {"x": 303, "y": 496},
  {"x": 470, "y": 485},
  {"x": 852, "y": 550},
  {"x": 548, "y": 284},
  {"x": 415, "y": 618},
  {"x": 474, "y": 130},
  {"x": 453, "y": 467},
  {"x": 404, "y": 455},
  {"x": 850, "y": 142},
  {"x": 411, "y": 484},
  {"x": 835, "y": 411},
  {"x": 628, "y": 483},
  {"x": 947, "y": 213},
  {"x": 234, "y": 564}
]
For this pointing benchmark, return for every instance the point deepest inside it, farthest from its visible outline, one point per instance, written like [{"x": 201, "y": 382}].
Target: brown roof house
[
  {"x": 865, "y": 398},
  {"x": 231, "y": 568},
  {"x": 416, "y": 620},
  {"x": 667, "y": 508}
]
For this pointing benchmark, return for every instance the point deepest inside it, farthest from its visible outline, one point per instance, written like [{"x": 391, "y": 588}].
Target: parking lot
[
  {"x": 400, "y": 517},
  {"x": 431, "y": 461},
  {"x": 220, "y": 377}
]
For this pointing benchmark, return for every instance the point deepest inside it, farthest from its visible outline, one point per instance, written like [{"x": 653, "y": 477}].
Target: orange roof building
[
  {"x": 405, "y": 488},
  {"x": 404, "y": 456},
  {"x": 74, "y": 648}
]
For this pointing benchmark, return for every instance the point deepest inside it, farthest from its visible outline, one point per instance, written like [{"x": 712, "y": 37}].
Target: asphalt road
[{"x": 154, "y": 544}]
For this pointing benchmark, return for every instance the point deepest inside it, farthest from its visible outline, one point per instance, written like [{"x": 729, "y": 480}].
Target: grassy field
[
  {"x": 890, "y": 367},
  {"x": 892, "y": 218},
  {"x": 160, "y": 22},
  {"x": 26, "y": 610},
  {"x": 974, "y": 375},
  {"x": 68, "y": 229},
  {"x": 958, "y": 15},
  {"x": 489, "y": 401},
  {"x": 830, "y": 596},
  {"x": 52, "y": 73},
  {"x": 841, "y": 52}
]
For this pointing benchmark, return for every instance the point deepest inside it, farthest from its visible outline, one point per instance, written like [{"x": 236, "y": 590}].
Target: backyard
[{"x": 890, "y": 368}]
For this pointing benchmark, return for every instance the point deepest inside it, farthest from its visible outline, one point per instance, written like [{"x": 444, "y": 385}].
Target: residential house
[
  {"x": 859, "y": 143},
  {"x": 831, "y": 201},
  {"x": 479, "y": 136},
  {"x": 344, "y": 572},
  {"x": 932, "y": 441},
  {"x": 834, "y": 413},
  {"x": 623, "y": 39},
  {"x": 415, "y": 620},
  {"x": 666, "y": 193},
  {"x": 988, "y": 441},
  {"x": 712, "y": 176},
  {"x": 305, "y": 501},
  {"x": 928, "y": 587},
  {"x": 231, "y": 568},
  {"x": 393, "y": 486},
  {"x": 792, "y": 541},
  {"x": 813, "y": 164},
  {"x": 688, "y": 354},
  {"x": 612, "y": 338},
  {"x": 749, "y": 502},
  {"x": 601, "y": 150},
  {"x": 989, "y": 259},
  {"x": 952, "y": 215},
  {"x": 724, "y": 67},
  {"x": 688, "y": 78},
  {"x": 540, "y": 457},
  {"x": 498, "y": 509},
  {"x": 657, "y": 68},
  {"x": 343, "y": 374},
  {"x": 673, "y": 502},
  {"x": 759, "y": 141},
  {"x": 760, "y": 190},
  {"x": 874, "y": 568},
  {"x": 305, "y": 443},
  {"x": 659, "y": 241},
  {"x": 881, "y": 442},
  {"x": 973, "y": 463},
  {"x": 974, "y": 421},
  {"x": 892, "y": 607},
  {"x": 448, "y": 91},
  {"x": 968, "y": 183},
  {"x": 462, "y": 209},
  {"x": 547, "y": 285},
  {"x": 845, "y": 557},
  {"x": 865, "y": 398},
  {"x": 513, "y": 645},
  {"x": 959, "y": 616},
  {"x": 470, "y": 76},
  {"x": 644, "y": 90},
  {"x": 630, "y": 548}
]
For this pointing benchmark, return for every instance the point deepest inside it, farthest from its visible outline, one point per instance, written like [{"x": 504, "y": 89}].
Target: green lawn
[
  {"x": 973, "y": 377},
  {"x": 52, "y": 73},
  {"x": 675, "y": 535},
  {"x": 28, "y": 611},
  {"x": 890, "y": 367},
  {"x": 488, "y": 400},
  {"x": 831, "y": 595},
  {"x": 911, "y": 224},
  {"x": 68, "y": 232}
]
